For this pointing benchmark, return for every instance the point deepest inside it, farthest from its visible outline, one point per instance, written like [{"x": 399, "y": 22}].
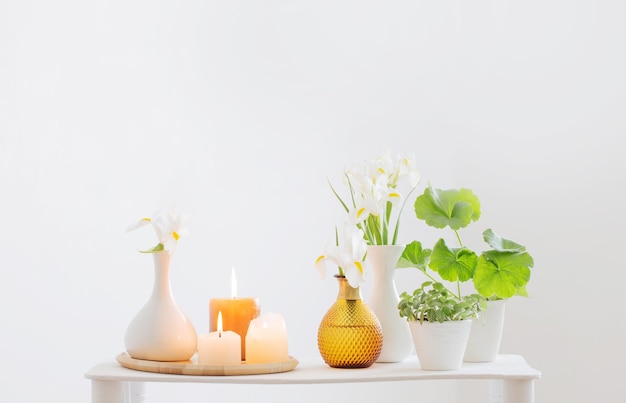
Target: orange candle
[{"x": 236, "y": 313}]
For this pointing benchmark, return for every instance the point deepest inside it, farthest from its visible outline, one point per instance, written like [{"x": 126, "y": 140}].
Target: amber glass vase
[{"x": 350, "y": 335}]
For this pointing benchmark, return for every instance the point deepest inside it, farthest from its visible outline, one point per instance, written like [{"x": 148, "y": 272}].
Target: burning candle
[
  {"x": 220, "y": 347},
  {"x": 267, "y": 340},
  {"x": 236, "y": 312}
]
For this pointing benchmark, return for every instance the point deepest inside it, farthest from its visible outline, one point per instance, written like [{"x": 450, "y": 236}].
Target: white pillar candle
[
  {"x": 219, "y": 348},
  {"x": 266, "y": 340}
]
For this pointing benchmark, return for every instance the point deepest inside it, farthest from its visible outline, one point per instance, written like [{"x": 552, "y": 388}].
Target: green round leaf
[
  {"x": 452, "y": 264},
  {"x": 414, "y": 256},
  {"x": 501, "y": 244},
  {"x": 455, "y": 208},
  {"x": 501, "y": 274}
]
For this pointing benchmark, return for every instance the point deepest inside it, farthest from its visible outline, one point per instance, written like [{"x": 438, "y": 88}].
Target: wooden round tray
[{"x": 192, "y": 367}]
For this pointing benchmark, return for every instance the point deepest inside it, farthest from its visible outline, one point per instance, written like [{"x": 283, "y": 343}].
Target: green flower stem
[
  {"x": 374, "y": 231},
  {"x": 395, "y": 232},
  {"x": 386, "y": 219},
  {"x": 367, "y": 234}
]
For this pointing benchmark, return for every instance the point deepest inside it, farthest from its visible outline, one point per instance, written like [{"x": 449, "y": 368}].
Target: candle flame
[
  {"x": 233, "y": 284},
  {"x": 219, "y": 323}
]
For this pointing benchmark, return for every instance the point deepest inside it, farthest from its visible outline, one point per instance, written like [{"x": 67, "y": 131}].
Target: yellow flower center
[
  {"x": 359, "y": 212},
  {"x": 175, "y": 235},
  {"x": 319, "y": 258},
  {"x": 393, "y": 194},
  {"x": 359, "y": 266}
]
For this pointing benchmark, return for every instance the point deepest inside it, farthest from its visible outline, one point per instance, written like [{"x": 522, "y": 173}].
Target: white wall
[{"x": 238, "y": 111}]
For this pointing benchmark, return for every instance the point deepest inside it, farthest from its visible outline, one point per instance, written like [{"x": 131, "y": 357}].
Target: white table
[{"x": 512, "y": 379}]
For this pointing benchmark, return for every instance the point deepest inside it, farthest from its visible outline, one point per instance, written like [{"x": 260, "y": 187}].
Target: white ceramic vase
[
  {"x": 486, "y": 334},
  {"x": 384, "y": 299},
  {"x": 440, "y": 345},
  {"x": 161, "y": 331}
]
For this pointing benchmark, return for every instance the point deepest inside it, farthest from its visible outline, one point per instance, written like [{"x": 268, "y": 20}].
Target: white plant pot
[
  {"x": 486, "y": 334},
  {"x": 440, "y": 346},
  {"x": 384, "y": 299}
]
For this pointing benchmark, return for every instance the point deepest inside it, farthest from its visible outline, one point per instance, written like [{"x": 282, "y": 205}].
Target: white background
[{"x": 239, "y": 112}]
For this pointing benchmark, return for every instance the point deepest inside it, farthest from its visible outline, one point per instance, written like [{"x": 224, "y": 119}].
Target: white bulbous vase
[
  {"x": 161, "y": 331},
  {"x": 384, "y": 299}
]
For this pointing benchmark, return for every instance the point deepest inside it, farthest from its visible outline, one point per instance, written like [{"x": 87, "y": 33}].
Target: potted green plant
[
  {"x": 440, "y": 323},
  {"x": 497, "y": 273}
]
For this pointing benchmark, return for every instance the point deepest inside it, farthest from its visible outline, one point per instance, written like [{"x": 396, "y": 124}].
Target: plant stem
[
  {"x": 444, "y": 286},
  {"x": 458, "y": 283},
  {"x": 458, "y": 237}
]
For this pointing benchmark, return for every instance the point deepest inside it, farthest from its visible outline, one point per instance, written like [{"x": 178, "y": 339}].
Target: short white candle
[
  {"x": 266, "y": 340},
  {"x": 219, "y": 348}
]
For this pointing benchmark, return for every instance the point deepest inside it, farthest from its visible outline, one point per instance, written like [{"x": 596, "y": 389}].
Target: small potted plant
[
  {"x": 440, "y": 323},
  {"x": 497, "y": 273}
]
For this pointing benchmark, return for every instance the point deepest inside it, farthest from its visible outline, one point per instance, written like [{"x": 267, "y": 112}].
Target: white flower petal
[
  {"x": 321, "y": 266},
  {"x": 141, "y": 223},
  {"x": 354, "y": 276}
]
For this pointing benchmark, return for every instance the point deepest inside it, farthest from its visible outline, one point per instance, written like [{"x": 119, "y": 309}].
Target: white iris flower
[
  {"x": 375, "y": 200},
  {"x": 169, "y": 225},
  {"x": 347, "y": 254}
]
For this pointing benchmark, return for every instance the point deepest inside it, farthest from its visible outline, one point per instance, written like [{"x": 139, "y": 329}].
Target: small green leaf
[
  {"x": 157, "y": 248},
  {"x": 453, "y": 264},
  {"x": 454, "y": 208},
  {"x": 414, "y": 256},
  {"x": 502, "y": 244},
  {"x": 501, "y": 274}
]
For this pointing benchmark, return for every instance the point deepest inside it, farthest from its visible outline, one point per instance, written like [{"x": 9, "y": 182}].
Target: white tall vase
[
  {"x": 161, "y": 331},
  {"x": 384, "y": 299}
]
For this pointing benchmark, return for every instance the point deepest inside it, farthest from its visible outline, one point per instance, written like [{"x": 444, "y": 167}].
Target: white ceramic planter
[
  {"x": 384, "y": 299},
  {"x": 486, "y": 334},
  {"x": 440, "y": 346}
]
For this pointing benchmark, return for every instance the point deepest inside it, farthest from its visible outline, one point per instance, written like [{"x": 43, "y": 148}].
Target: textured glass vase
[
  {"x": 161, "y": 331},
  {"x": 384, "y": 299},
  {"x": 349, "y": 335}
]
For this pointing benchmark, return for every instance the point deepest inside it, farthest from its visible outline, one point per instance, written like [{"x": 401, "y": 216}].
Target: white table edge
[
  {"x": 505, "y": 367},
  {"x": 511, "y": 379}
]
